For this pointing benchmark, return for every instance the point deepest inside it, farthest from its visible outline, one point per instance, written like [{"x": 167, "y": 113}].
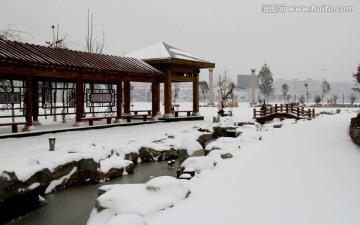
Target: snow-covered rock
[
  {"x": 199, "y": 163},
  {"x": 140, "y": 199}
]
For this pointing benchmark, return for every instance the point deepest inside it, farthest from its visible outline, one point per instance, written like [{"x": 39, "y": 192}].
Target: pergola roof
[
  {"x": 164, "y": 53},
  {"x": 36, "y": 56}
]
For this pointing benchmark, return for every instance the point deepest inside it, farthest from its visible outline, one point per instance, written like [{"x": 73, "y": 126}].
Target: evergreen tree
[
  {"x": 266, "y": 81},
  {"x": 284, "y": 90},
  {"x": 357, "y": 79},
  {"x": 317, "y": 100}
]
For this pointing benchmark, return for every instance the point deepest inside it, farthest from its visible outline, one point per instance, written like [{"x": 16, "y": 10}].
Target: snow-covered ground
[{"x": 303, "y": 173}]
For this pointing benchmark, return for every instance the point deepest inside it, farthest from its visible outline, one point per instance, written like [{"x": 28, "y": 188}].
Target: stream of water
[{"x": 73, "y": 205}]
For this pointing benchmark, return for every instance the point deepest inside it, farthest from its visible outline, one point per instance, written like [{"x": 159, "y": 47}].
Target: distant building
[
  {"x": 244, "y": 85},
  {"x": 297, "y": 88}
]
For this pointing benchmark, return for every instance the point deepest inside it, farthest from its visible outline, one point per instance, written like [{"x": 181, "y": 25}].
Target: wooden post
[
  {"x": 28, "y": 102},
  {"x": 276, "y": 108},
  {"x": 79, "y": 103},
  {"x": 271, "y": 110},
  {"x": 313, "y": 113},
  {"x": 167, "y": 94},
  {"x": 196, "y": 95},
  {"x": 127, "y": 98},
  {"x": 254, "y": 113},
  {"x": 119, "y": 101},
  {"x": 155, "y": 99},
  {"x": 35, "y": 102},
  {"x": 157, "y": 90},
  {"x": 302, "y": 110},
  {"x": 211, "y": 87},
  {"x": 281, "y": 108},
  {"x": 287, "y": 108},
  {"x": 297, "y": 111},
  {"x": 309, "y": 114}
]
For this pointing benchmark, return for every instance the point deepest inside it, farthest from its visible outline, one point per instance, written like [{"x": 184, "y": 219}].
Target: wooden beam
[
  {"x": 50, "y": 73},
  {"x": 182, "y": 78}
]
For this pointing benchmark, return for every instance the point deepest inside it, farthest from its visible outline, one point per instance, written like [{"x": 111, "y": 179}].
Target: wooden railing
[{"x": 288, "y": 109}]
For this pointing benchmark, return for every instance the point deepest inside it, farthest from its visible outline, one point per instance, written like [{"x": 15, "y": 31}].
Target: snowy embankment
[
  {"x": 306, "y": 172},
  {"x": 46, "y": 171}
]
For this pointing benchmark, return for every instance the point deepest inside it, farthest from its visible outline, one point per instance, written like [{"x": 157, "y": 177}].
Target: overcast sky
[{"x": 233, "y": 34}]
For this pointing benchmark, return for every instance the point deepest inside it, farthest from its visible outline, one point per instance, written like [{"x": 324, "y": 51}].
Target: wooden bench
[
  {"x": 136, "y": 112},
  {"x": 144, "y": 117},
  {"x": 14, "y": 125},
  {"x": 128, "y": 118},
  {"x": 92, "y": 119},
  {"x": 188, "y": 112}
]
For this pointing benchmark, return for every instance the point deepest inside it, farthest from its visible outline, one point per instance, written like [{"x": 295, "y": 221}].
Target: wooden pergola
[
  {"x": 178, "y": 66},
  {"x": 33, "y": 64}
]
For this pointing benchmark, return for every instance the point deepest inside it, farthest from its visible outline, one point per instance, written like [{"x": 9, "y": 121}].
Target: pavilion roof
[
  {"x": 164, "y": 53},
  {"x": 30, "y": 55}
]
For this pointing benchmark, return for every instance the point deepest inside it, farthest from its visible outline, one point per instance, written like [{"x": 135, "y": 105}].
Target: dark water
[{"x": 72, "y": 206}]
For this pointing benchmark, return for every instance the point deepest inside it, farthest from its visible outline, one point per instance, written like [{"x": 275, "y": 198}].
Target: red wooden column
[
  {"x": 158, "y": 111},
  {"x": 167, "y": 94},
  {"x": 119, "y": 101},
  {"x": 196, "y": 95},
  {"x": 79, "y": 103},
  {"x": 28, "y": 102},
  {"x": 127, "y": 98},
  {"x": 155, "y": 100},
  {"x": 35, "y": 102}
]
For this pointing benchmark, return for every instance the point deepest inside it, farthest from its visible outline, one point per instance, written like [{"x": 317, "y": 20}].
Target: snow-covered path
[{"x": 304, "y": 173}]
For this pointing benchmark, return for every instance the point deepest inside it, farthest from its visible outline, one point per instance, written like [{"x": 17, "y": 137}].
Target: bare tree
[
  {"x": 204, "y": 88},
  {"x": 335, "y": 98},
  {"x": 325, "y": 88},
  {"x": 225, "y": 87},
  {"x": 176, "y": 91},
  {"x": 57, "y": 42},
  {"x": 302, "y": 99},
  {"x": 9, "y": 32},
  {"x": 224, "y": 83},
  {"x": 288, "y": 97},
  {"x": 295, "y": 98},
  {"x": 352, "y": 97},
  {"x": 92, "y": 45}
]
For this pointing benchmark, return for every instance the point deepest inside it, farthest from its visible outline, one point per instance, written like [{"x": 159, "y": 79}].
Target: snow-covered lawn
[{"x": 303, "y": 173}]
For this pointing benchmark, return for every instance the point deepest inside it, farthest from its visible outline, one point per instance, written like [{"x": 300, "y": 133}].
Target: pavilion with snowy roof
[
  {"x": 37, "y": 81},
  {"x": 178, "y": 66}
]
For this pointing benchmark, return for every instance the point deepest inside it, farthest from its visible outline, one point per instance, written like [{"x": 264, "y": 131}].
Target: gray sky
[{"x": 233, "y": 34}]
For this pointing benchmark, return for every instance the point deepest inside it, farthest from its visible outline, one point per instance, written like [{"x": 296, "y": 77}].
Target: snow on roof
[{"x": 162, "y": 50}]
